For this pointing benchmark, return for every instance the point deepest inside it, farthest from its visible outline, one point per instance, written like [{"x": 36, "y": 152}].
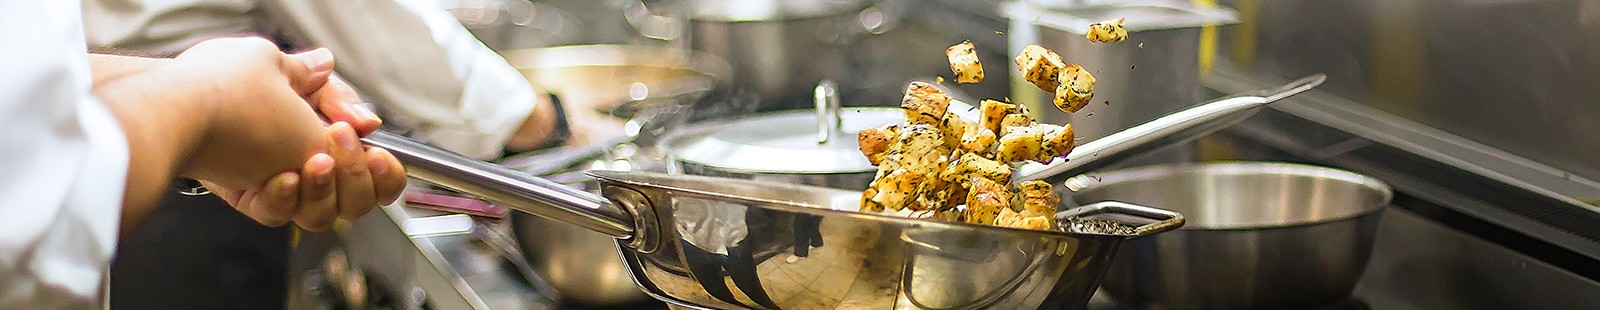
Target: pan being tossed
[{"x": 781, "y": 246}]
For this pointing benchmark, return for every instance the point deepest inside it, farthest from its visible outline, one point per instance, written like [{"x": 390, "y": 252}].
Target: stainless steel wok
[{"x": 725, "y": 243}]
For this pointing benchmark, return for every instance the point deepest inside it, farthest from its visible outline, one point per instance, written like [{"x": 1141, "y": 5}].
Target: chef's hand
[
  {"x": 268, "y": 153},
  {"x": 584, "y": 125},
  {"x": 590, "y": 127}
]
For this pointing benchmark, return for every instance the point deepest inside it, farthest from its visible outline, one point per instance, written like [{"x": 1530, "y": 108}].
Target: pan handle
[
  {"x": 512, "y": 188},
  {"x": 1169, "y": 130},
  {"x": 1166, "y": 220}
]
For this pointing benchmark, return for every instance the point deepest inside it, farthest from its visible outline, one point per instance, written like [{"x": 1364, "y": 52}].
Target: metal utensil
[
  {"x": 1169, "y": 130},
  {"x": 686, "y": 237},
  {"x": 1261, "y": 235}
]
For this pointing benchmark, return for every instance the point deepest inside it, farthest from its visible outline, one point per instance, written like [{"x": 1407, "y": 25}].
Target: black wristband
[{"x": 562, "y": 130}]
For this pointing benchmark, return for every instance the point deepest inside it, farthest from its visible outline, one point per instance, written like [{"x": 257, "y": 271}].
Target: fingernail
[
  {"x": 317, "y": 59},
  {"x": 289, "y": 181},
  {"x": 364, "y": 111},
  {"x": 344, "y": 136},
  {"x": 378, "y": 167},
  {"x": 321, "y": 169}
]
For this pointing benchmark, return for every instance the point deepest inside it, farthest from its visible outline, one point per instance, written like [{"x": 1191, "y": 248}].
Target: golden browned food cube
[
  {"x": 919, "y": 146},
  {"x": 1038, "y": 198},
  {"x": 873, "y": 142},
  {"x": 1040, "y": 66},
  {"x": 1110, "y": 31},
  {"x": 985, "y": 200},
  {"x": 924, "y": 103},
  {"x": 953, "y": 127},
  {"x": 897, "y": 189},
  {"x": 867, "y": 205},
  {"x": 1057, "y": 143},
  {"x": 971, "y": 165},
  {"x": 993, "y": 112},
  {"x": 1077, "y": 88},
  {"x": 977, "y": 140},
  {"x": 1013, "y": 219},
  {"x": 1019, "y": 144},
  {"x": 1015, "y": 120},
  {"x": 964, "y": 62}
]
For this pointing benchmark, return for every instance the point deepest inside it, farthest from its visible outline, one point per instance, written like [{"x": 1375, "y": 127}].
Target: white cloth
[
  {"x": 63, "y": 163},
  {"x": 423, "y": 69}
]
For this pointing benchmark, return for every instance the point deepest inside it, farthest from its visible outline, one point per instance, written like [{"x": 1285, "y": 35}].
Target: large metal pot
[
  {"x": 1260, "y": 235},
  {"x": 779, "y": 48},
  {"x": 1155, "y": 71}
]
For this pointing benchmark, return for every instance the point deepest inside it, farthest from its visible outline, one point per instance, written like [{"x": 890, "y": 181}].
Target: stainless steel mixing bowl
[{"x": 1260, "y": 235}]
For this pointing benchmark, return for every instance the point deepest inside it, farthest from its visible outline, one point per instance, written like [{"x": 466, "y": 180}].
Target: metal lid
[
  {"x": 1141, "y": 15},
  {"x": 796, "y": 142}
]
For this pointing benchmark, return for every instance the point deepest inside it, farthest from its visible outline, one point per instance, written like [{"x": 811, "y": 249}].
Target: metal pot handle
[
  {"x": 1169, "y": 130},
  {"x": 1166, "y": 220},
  {"x": 513, "y": 188},
  {"x": 829, "y": 121}
]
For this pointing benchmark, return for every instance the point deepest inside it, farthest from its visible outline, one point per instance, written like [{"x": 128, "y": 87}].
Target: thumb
[{"x": 308, "y": 71}]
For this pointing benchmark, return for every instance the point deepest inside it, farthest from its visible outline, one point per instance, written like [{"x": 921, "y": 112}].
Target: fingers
[
  {"x": 388, "y": 176},
  {"x": 336, "y": 101},
  {"x": 308, "y": 71},
  {"x": 353, "y": 179},
  {"x": 318, "y": 203},
  {"x": 275, "y": 203}
]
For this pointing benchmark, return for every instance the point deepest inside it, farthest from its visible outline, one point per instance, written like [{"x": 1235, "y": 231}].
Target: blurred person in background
[
  {"x": 91, "y": 140},
  {"x": 424, "y": 72}
]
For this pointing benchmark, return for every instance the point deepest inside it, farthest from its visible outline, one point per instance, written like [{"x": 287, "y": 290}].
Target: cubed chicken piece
[
  {"x": 1040, "y": 66},
  {"x": 964, "y": 62},
  {"x": 924, "y": 103},
  {"x": 1110, "y": 31},
  {"x": 1038, "y": 199},
  {"x": 977, "y": 140},
  {"x": 919, "y": 146},
  {"x": 867, "y": 205},
  {"x": 1077, "y": 88},
  {"x": 1013, "y": 219},
  {"x": 953, "y": 127},
  {"x": 1019, "y": 144},
  {"x": 971, "y": 165},
  {"x": 985, "y": 200},
  {"x": 873, "y": 142},
  {"x": 1057, "y": 143},
  {"x": 1015, "y": 120},
  {"x": 993, "y": 112},
  {"x": 897, "y": 189}
]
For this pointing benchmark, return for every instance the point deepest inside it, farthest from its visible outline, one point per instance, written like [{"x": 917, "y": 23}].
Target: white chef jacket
[
  {"x": 63, "y": 163},
  {"x": 415, "y": 60}
]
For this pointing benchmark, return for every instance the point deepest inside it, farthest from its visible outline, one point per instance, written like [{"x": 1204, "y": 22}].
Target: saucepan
[
  {"x": 1262, "y": 235},
  {"x": 729, "y": 243}
]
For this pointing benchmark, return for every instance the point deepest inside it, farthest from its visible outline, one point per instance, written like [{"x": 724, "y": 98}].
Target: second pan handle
[
  {"x": 509, "y": 187},
  {"x": 1169, "y": 130}
]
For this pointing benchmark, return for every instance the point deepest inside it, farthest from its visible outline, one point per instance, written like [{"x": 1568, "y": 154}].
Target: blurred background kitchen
[{"x": 1483, "y": 115}]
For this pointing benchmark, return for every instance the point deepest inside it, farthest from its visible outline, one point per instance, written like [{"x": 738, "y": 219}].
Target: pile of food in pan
[{"x": 936, "y": 165}]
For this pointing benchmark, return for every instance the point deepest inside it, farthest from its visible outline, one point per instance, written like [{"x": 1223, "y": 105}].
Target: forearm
[
  {"x": 163, "y": 125},
  {"x": 107, "y": 67}
]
